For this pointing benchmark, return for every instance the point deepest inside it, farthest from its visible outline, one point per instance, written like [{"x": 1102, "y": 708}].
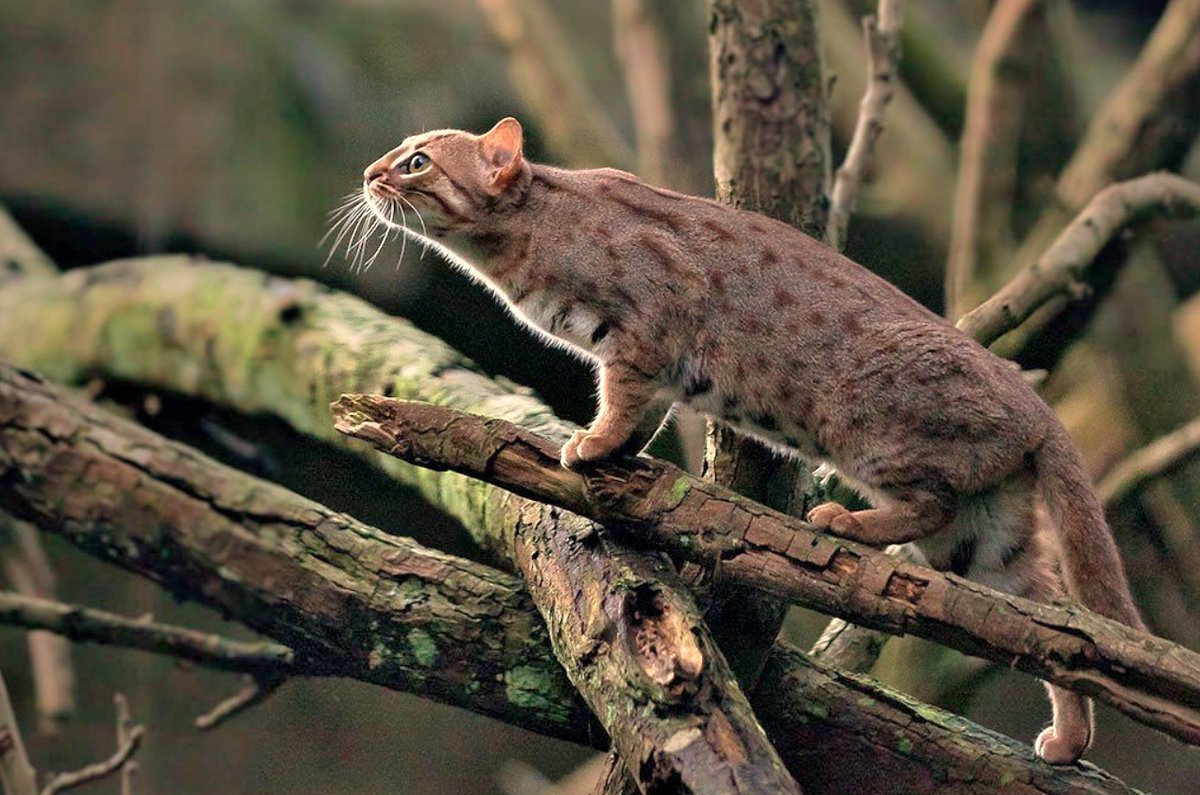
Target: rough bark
[
  {"x": 1150, "y": 679},
  {"x": 347, "y": 598},
  {"x": 772, "y": 155},
  {"x": 356, "y": 602},
  {"x": 561, "y": 557}
]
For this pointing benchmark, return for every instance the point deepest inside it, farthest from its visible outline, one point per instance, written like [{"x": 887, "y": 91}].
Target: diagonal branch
[
  {"x": 1156, "y": 459},
  {"x": 882, "y": 34},
  {"x": 84, "y": 624},
  {"x": 1060, "y": 272},
  {"x": 987, "y": 162},
  {"x": 356, "y": 602},
  {"x": 1152, "y": 680}
]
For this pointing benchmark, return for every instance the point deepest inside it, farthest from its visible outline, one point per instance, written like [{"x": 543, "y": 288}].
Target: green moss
[
  {"x": 678, "y": 491},
  {"x": 422, "y": 647},
  {"x": 904, "y": 745},
  {"x": 528, "y": 687},
  {"x": 1008, "y": 778}
]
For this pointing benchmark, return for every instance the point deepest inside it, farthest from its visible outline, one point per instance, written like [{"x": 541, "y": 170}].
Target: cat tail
[{"x": 1091, "y": 565}]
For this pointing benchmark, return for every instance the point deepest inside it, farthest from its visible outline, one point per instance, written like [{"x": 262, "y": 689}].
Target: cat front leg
[{"x": 631, "y": 412}]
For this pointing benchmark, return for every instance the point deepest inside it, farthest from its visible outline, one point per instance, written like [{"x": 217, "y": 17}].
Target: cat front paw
[
  {"x": 1059, "y": 750},
  {"x": 836, "y": 518},
  {"x": 582, "y": 448}
]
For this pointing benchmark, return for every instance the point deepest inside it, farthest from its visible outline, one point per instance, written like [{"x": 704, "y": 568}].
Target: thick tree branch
[
  {"x": 1060, "y": 272},
  {"x": 626, "y": 637},
  {"x": 1152, "y": 680},
  {"x": 360, "y": 603},
  {"x": 882, "y": 34},
  {"x": 987, "y": 163}
]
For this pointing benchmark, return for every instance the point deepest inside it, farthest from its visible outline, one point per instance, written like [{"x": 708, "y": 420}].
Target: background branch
[{"x": 882, "y": 34}]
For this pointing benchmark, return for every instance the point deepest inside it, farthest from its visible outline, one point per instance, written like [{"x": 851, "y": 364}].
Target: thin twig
[
  {"x": 1161, "y": 457},
  {"x": 256, "y": 690},
  {"x": 988, "y": 150},
  {"x": 16, "y": 773},
  {"x": 98, "y": 770},
  {"x": 1060, "y": 271},
  {"x": 125, "y": 727},
  {"x": 97, "y": 626},
  {"x": 882, "y": 35},
  {"x": 28, "y": 570}
]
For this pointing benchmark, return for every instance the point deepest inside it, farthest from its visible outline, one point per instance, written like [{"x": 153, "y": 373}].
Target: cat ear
[{"x": 502, "y": 153}]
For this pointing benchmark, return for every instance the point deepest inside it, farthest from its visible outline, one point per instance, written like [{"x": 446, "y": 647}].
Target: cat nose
[{"x": 376, "y": 170}]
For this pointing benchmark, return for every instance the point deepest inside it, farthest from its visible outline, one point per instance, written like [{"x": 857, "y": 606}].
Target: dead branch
[
  {"x": 84, "y": 624},
  {"x": 882, "y": 34},
  {"x": 16, "y": 773},
  {"x": 1150, "y": 679},
  {"x": 987, "y": 162},
  {"x": 626, "y": 635},
  {"x": 1060, "y": 272},
  {"x": 1160, "y": 457},
  {"x": 399, "y": 615},
  {"x": 28, "y": 571},
  {"x": 548, "y": 77},
  {"x": 256, "y": 690},
  {"x": 913, "y": 173},
  {"x": 126, "y": 748},
  {"x": 125, "y": 728},
  {"x": 1147, "y": 122}
]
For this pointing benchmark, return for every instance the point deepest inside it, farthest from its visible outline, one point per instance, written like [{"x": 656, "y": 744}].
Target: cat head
[{"x": 450, "y": 178}]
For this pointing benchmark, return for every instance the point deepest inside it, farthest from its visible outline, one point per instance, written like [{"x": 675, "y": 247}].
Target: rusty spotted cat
[{"x": 681, "y": 299}]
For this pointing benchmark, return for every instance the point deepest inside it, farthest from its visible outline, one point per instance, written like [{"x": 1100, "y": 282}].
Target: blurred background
[{"x": 230, "y": 129}]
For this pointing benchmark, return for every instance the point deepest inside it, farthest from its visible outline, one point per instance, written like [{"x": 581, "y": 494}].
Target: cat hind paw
[{"x": 1059, "y": 751}]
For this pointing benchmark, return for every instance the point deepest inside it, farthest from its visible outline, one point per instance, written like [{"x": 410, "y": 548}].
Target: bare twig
[
  {"x": 94, "y": 772},
  {"x": 1150, "y": 679},
  {"x": 256, "y": 690},
  {"x": 988, "y": 150},
  {"x": 29, "y": 572},
  {"x": 1147, "y": 122},
  {"x": 125, "y": 727},
  {"x": 882, "y": 33},
  {"x": 1160, "y": 457},
  {"x": 1060, "y": 271},
  {"x": 97, "y": 626},
  {"x": 16, "y": 773}
]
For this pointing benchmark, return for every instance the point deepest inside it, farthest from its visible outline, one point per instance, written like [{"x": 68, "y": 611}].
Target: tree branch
[
  {"x": 547, "y": 76},
  {"x": 1060, "y": 272},
  {"x": 1147, "y": 122},
  {"x": 1152, "y": 680},
  {"x": 1160, "y": 457},
  {"x": 356, "y": 602},
  {"x": 987, "y": 162},
  {"x": 641, "y": 50},
  {"x": 882, "y": 34},
  {"x": 126, "y": 748},
  {"x": 17, "y": 775},
  {"x": 84, "y": 624}
]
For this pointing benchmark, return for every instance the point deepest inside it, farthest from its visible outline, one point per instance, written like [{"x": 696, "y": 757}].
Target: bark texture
[
  {"x": 360, "y": 603},
  {"x": 1150, "y": 679}
]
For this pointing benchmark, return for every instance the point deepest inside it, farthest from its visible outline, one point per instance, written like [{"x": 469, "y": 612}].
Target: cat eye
[{"x": 415, "y": 164}]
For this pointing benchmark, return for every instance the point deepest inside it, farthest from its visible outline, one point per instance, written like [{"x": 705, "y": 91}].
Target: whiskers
[{"x": 355, "y": 222}]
